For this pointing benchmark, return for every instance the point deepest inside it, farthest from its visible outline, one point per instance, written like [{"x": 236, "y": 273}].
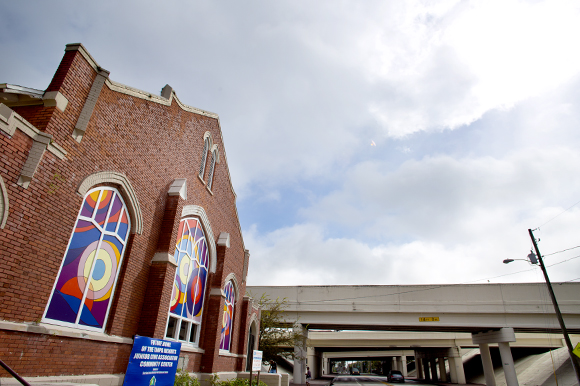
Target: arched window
[
  {"x": 228, "y": 317},
  {"x": 82, "y": 294},
  {"x": 214, "y": 154},
  {"x": 206, "y": 144},
  {"x": 186, "y": 306},
  {"x": 3, "y": 204}
]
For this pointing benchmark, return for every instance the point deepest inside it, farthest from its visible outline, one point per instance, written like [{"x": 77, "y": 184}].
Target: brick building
[{"x": 117, "y": 218}]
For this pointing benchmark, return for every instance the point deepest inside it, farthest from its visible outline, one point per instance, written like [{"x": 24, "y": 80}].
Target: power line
[
  {"x": 563, "y": 261},
  {"x": 563, "y": 250},
  {"x": 557, "y": 215}
]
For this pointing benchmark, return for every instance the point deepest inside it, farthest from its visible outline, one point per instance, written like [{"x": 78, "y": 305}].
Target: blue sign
[{"x": 153, "y": 362}]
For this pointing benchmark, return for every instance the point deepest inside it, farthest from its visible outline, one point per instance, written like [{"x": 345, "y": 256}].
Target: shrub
[
  {"x": 215, "y": 381},
  {"x": 182, "y": 378}
]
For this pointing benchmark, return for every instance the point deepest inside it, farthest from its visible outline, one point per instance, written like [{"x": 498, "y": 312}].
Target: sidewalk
[{"x": 325, "y": 380}]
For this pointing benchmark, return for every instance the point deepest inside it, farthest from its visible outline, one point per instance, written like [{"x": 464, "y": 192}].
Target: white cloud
[
  {"x": 435, "y": 220},
  {"x": 302, "y": 88}
]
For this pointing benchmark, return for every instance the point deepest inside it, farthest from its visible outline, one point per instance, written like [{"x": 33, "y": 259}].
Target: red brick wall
[
  {"x": 46, "y": 355},
  {"x": 152, "y": 145}
]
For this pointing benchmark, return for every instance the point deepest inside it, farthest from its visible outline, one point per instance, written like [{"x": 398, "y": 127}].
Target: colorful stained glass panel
[
  {"x": 192, "y": 259},
  {"x": 226, "y": 334},
  {"x": 91, "y": 263}
]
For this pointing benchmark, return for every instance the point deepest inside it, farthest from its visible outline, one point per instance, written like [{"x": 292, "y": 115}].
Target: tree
[{"x": 277, "y": 337}]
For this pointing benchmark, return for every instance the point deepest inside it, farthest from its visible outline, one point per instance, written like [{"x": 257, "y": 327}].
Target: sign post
[
  {"x": 152, "y": 362},
  {"x": 256, "y": 365}
]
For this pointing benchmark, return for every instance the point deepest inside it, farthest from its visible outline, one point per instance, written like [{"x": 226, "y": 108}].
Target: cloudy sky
[{"x": 369, "y": 142}]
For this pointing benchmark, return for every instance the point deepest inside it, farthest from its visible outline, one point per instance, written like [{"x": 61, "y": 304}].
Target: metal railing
[{"x": 13, "y": 373}]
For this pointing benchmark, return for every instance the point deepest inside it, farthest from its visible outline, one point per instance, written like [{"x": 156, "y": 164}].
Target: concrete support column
[
  {"x": 442, "y": 371},
  {"x": 394, "y": 363},
  {"x": 456, "y": 370},
  {"x": 433, "y": 365},
  {"x": 502, "y": 337},
  {"x": 456, "y": 365},
  {"x": 403, "y": 365},
  {"x": 419, "y": 367},
  {"x": 312, "y": 362},
  {"x": 426, "y": 372},
  {"x": 487, "y": 364},
  {"x": 300, "y": 360},
  {"x": 452, "y": 370},
  {"x": 508, "y": 364}
]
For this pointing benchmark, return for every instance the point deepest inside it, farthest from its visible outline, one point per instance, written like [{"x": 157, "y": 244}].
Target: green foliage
[
  {"x": 214, "y": 380},
  {"x": 182, "y": 378},
  {"x": 277, "y": 337}
]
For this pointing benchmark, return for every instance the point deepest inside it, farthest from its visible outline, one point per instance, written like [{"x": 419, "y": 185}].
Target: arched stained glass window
[
  {"x": 186, "y": 306},
  {"x": 228, "y": 317},
  {"x": 85, "y": 284}
]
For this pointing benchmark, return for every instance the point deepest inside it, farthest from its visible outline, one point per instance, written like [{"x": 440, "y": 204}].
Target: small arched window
[
  {"x": 228, "y": 317},
  {"x": 3, "y": 204},
  {"x": 82, "y": 294},
  {"x": 186, "y": 305},
  {"x": 206, "y": 143},
  {"x": 210, "y": 173}
]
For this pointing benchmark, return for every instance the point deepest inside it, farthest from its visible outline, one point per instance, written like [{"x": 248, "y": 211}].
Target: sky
[{"x": 369, "y": 142}]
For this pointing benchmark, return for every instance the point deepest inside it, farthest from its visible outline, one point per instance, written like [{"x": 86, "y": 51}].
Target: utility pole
[{"x": 573, "y": 357}]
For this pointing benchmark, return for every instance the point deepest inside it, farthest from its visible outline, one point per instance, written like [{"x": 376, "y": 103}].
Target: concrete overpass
[{"x": 487, "y": 313}]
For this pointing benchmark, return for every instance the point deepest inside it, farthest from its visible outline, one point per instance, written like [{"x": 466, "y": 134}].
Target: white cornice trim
[
  {"x": 10, "y": 121},
  {"x": 80, "y": 48},
  {"x": 124, "y": 89}
]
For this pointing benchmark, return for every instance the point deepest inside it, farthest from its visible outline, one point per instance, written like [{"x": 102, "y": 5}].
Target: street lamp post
[{"x": 573, "y": 357}]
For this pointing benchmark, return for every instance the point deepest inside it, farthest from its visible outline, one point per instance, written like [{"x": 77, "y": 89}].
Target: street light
[
  {"x": 507, "y": 261},
  {"x": 533, "y": 260}
]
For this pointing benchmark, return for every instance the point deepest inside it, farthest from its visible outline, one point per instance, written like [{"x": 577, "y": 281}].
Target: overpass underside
[{"x": 464, "y": 316}]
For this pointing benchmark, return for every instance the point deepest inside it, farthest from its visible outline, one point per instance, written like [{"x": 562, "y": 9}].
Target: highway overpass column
[
  {"x": 419, "y": 367},
  {"x": 456, "y": 365},
  {"x": 442, "y": 371},
  {"x": 426, "y": 371},
  {"x": 452, "y": 370},
  {"x": 508, "y": 364},
  {"x": 314, "y": 361},
  {"x": 502, "y": 337},
  {"x": 300, "y": 356},
  {"x": 487, "y": 364},
  {"x": 433, "y": 365},
  {"x": 394, "y": 363},
  {"x": 403, "y": 365}
]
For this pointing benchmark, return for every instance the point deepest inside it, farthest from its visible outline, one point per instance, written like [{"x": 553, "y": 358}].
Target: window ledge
[
  {"x": 185, "y": 347},
  {"x": 49, "y": 329},
  {"x": 225, "y": 353}
]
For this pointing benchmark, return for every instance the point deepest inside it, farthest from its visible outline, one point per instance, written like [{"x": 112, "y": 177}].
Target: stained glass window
[
  {"x": 226, "y": 335},
  {"x": 186, "y": 306},
  {"x": 85, "y": 284}
]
